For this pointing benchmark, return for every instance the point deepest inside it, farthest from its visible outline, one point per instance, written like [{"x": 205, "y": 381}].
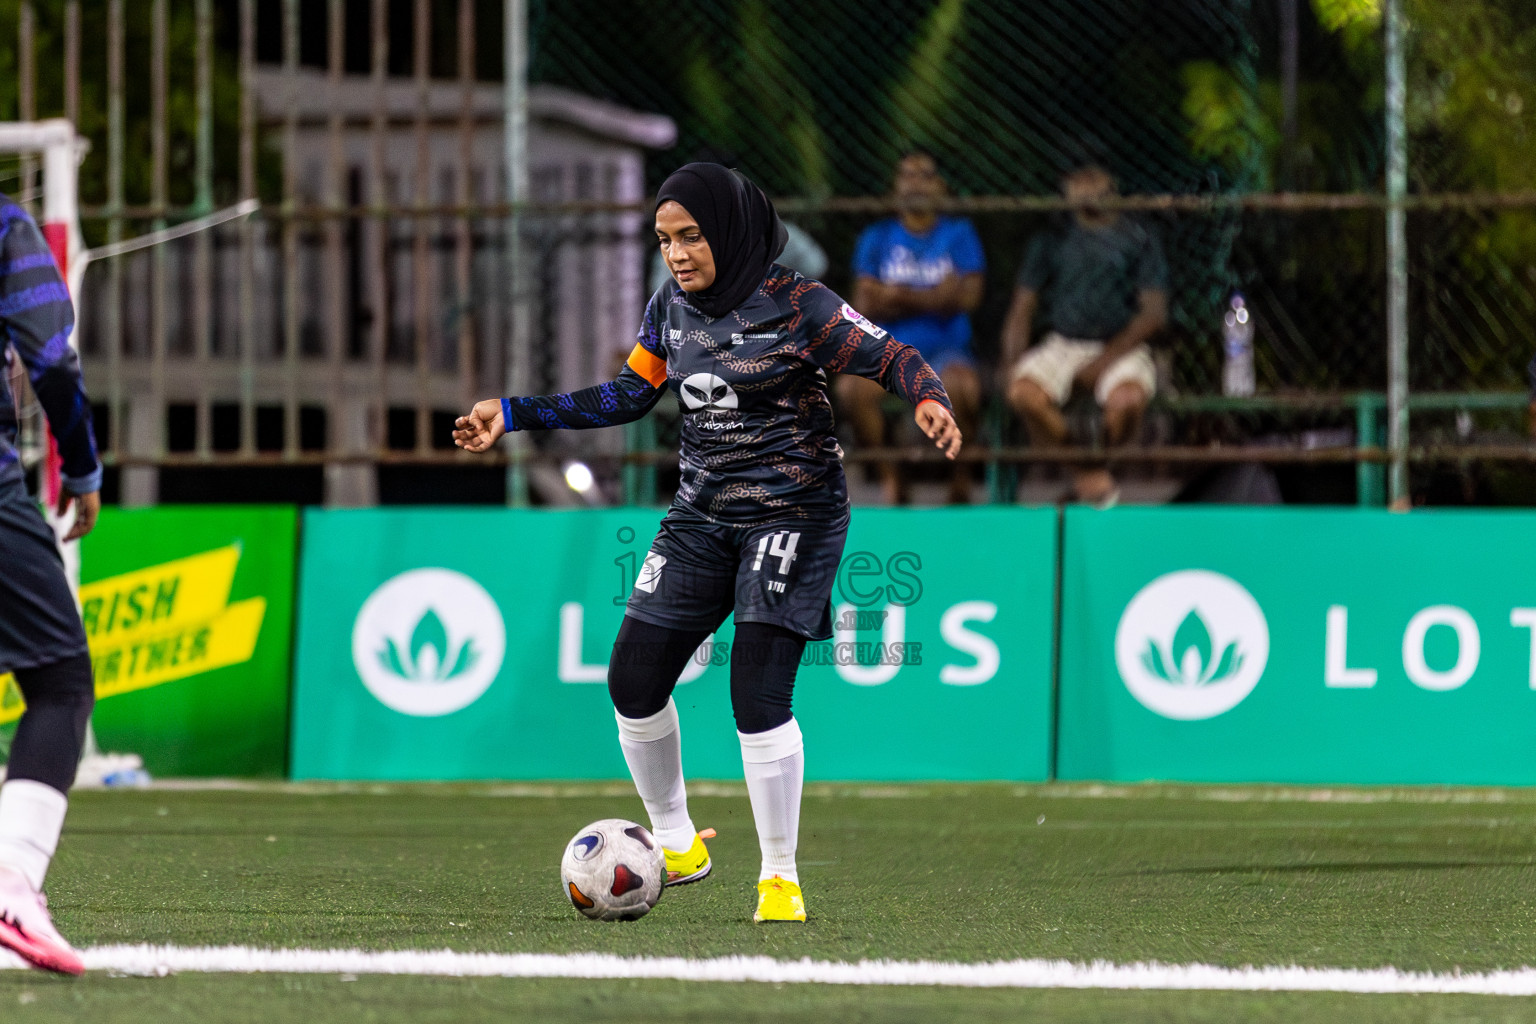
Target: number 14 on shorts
[{"x": 779, "y": 545}]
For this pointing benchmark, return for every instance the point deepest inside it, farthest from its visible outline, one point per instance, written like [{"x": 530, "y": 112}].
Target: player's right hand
[
  {"x": 481, "y": 428},
  {"x": 87, "y": 508}
]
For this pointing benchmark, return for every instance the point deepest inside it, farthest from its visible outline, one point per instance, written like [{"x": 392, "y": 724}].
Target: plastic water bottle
[{"x": 1237, "y": 346}]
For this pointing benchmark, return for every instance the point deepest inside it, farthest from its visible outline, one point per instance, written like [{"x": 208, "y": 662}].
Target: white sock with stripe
[
  {"x": 653, "y": 750},
  {"x": 774, "y": 763},
  {"x": 31, "y": 818}
]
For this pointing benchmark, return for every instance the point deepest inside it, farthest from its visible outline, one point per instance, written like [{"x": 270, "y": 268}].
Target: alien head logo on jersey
[{"x": 706, "y": 391}]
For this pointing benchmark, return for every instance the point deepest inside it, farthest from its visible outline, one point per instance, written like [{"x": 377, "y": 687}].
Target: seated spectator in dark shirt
[
  {"x": 919, "y": 276},
  {"x": 1100, "y": 286}
]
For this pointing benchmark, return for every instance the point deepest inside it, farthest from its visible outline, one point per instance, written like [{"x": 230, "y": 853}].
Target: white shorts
[{"x": 1054, "y": 363}]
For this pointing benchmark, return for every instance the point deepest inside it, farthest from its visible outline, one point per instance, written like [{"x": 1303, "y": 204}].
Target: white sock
[
  {"x": 31, "y": 818},
  {"x": 653, "y": 750},
  {"x": 774, "y": 762}
]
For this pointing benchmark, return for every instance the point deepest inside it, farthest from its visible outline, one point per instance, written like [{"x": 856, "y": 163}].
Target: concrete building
[{"x": 398, "y": 320}]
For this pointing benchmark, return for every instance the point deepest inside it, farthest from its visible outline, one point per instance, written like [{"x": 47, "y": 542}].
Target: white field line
[{"x": 158, "y": 961}]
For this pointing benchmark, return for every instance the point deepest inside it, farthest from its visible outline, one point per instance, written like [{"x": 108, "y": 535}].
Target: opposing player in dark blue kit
[
  {"x": 41, "y": 638},
  {"x": 761, "y": 512}
]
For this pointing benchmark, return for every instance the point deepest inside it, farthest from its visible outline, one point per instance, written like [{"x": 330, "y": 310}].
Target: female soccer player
[
  {"x": 761, "y": 513},
  {"x": 41, "y": 638}
]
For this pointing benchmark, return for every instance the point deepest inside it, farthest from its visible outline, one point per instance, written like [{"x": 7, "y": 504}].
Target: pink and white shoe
[{"x": 27, "y": 930}]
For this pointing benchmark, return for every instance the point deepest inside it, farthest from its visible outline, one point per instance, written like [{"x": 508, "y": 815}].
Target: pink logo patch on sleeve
[{"x": 854, "y": 316}]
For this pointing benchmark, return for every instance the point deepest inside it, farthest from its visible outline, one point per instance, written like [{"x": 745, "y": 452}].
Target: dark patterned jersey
[
  {"x": 36, "y": 317},
  {"x": 757, "y": 440}
]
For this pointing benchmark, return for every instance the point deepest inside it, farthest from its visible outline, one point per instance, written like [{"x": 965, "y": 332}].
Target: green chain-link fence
[
  {"x": 1248, "y": 134},
  {"x": 817, "y": 102},
  {"x": 1178, "y": 97}
]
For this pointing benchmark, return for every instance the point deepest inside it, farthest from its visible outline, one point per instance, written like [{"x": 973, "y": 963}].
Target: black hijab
[{"x": 738, "y": 221}]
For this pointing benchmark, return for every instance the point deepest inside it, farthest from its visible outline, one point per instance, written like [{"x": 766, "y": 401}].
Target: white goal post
[{"x": 61, "y": 150}]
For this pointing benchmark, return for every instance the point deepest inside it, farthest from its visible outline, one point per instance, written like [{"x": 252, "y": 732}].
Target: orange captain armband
[{"x": 652, "y": 367}]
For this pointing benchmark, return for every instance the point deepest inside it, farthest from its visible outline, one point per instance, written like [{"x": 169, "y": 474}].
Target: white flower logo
[
  {"x": 428, "y": 642},
  {"x": 1192, "y": 644}
]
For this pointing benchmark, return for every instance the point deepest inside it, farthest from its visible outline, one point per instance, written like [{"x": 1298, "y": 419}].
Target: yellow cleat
[
  {"x": 779, "y": 899},
  {"x": 691, "y": 865}
]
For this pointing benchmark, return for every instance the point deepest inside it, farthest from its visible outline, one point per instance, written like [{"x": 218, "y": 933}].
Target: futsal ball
[{"x": 613, "y": 870}]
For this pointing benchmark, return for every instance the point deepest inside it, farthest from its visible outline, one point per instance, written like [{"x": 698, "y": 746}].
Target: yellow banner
[
  {"x": 158, "y": 599},
  {"x": 10, "y": 699},
  {"x": 160, "y": 624}
]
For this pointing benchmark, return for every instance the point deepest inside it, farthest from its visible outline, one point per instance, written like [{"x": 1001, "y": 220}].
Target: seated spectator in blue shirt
[
  {"x": 1101, "y": 285},
  {"x": 919, "y": 276}
]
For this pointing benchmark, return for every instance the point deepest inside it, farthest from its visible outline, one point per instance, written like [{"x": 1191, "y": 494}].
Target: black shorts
[
  {"x": 39, "y": 623},
  {"x": 778, "y": 572}
]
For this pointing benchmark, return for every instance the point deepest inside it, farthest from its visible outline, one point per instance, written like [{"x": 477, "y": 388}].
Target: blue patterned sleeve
[
  {"x": 37, "y": 317},
  {"x": 628, "y": 397},
  {"x": 622, "y": 400}
]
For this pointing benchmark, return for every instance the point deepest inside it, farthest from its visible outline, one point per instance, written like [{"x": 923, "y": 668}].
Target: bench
[{"x": 1002, "y": 459}]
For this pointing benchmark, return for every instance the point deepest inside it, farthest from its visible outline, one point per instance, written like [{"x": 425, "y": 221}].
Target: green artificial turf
[
  {"x": 204, "y": 999},
  {"x": 1428, "y": 881}
]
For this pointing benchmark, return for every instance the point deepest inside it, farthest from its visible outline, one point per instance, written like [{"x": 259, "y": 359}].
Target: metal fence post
[
  {"x": 245, "y": 333},
  {"x": 1368, "y": 475},
  {"x": 1397, "y": 259},
  {"x": 518, "y": 348},
  {"x": 26, "y": 73}
]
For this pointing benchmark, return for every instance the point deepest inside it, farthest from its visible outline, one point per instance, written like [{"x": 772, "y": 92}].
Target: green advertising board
[
  {"x": 189, "y": 613},
  {"x": 459, "y": 644},
  {"x": 1311, "y": 646}
]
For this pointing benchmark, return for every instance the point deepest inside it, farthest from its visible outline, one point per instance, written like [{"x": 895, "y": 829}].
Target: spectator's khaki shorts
[{"x": 1055, "y": 361}]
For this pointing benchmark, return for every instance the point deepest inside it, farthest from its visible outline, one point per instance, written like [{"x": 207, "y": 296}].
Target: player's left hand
[
  {"x": 937, "y": 422},
  {"x": 87, "y": 508}
]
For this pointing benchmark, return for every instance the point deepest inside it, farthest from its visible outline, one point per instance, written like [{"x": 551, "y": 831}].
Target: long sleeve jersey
[
  {"x": 757, "y": 439},
  {"x": 36, "y": 318}
]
